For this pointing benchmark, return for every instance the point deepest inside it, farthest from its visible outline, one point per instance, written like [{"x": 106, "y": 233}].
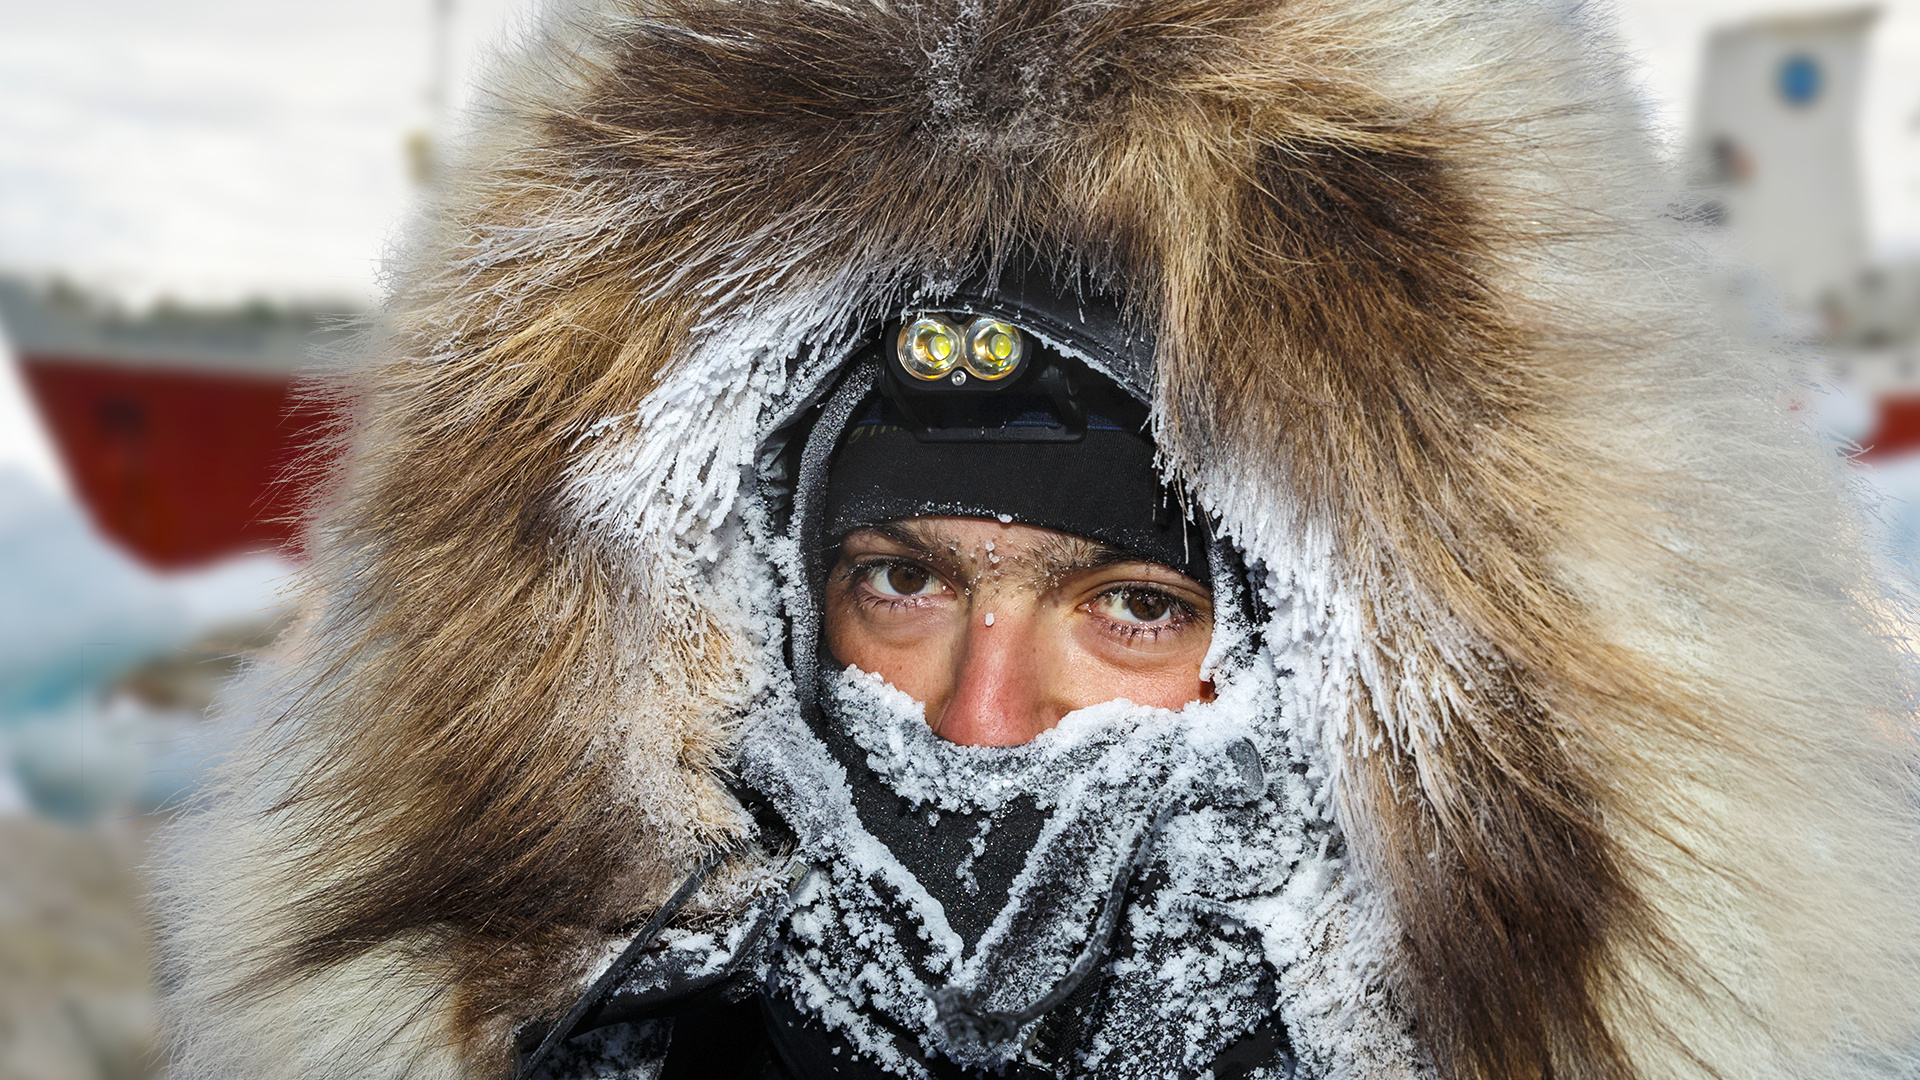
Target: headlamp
[
  {"x": 931, "y": 348},
  {"x": 994, "y": 348}
]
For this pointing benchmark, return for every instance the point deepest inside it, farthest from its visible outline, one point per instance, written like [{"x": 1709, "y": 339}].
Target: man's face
[{"x": 1001, "y": 630}]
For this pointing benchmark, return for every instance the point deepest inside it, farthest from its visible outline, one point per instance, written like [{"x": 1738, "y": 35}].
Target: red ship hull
[
  {"x": 180, "y": 466},
  {"x": 1896, "y": 428}
]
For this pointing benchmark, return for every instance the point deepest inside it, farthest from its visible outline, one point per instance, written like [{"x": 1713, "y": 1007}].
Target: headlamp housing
[
  {"x": 933, "y": 349},
  {"x": 994, "y": 348},
  {"x": 967, "y": 377},
  {"x": 928, "y": 347}
]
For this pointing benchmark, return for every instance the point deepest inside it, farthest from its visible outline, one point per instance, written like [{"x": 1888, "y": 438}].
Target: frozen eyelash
[
  {"x": 871, "y": 563},
  {"x": 1180, "y": 613},
  {"x": 871, "y": 598}
]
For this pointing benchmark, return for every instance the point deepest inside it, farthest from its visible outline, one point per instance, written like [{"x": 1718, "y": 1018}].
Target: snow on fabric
[
  {"x": 1188, "y": 786},
  {"x": 1207, "y": 806}
]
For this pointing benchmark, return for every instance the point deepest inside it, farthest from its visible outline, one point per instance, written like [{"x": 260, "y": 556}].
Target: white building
[{"x": 1774, "y": 140}]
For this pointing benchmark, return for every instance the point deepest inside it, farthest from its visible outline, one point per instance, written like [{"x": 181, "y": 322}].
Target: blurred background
[{"x": 195, "y": 199}]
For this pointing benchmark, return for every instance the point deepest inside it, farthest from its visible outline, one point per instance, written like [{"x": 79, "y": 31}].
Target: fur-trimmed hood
[{"x": 1589, "y": 667}]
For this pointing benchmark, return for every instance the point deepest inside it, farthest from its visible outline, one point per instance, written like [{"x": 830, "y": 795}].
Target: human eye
[
  {"x": 894, "y": 579},
  {"x": 1135, "y": 609}
]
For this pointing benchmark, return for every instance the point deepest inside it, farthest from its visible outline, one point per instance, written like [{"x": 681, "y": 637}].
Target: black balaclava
[
  {"x": 953, "y": 908},
  {"x": 1060, "y": 443},
  {"x": 1056, "y": 445},
  {"x": 1078, "y": 462},
  {"x": 1064, "y": 448}
]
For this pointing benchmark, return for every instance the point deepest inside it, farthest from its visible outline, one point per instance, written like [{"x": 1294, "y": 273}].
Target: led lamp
[
  {"x": 932, "y": 348},
  {"x": 929, "y": 347},
  {"x": 994, "y": 348}
]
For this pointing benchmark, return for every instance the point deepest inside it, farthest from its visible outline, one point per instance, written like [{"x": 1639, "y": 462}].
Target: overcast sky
[
  {"x": 218, "y": 148},
  {"x": 214, "y": 147}
]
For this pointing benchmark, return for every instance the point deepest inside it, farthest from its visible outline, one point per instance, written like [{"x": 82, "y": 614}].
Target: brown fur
[{"x": 1321, "y": 262}]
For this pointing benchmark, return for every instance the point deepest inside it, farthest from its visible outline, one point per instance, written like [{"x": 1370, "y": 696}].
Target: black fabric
[
  {"x": 1062, "y": 1032},
  {"x": 809, "y": 1050},
  {"x": 722, "y": 1042},
  {"x": 765, "y": 1037},
  {"x": 811, "y": 455},
  {"x": 1102, "y": 486},
  {"x": 932, "y": 846},
  {"x": 1266, "y": 1045}
]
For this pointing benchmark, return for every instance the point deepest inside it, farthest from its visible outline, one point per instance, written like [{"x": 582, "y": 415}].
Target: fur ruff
[{"x": 1611, "y": 711}]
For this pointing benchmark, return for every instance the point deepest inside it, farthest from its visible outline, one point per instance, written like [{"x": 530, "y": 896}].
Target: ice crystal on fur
[{"x": 1586, "y": 737}]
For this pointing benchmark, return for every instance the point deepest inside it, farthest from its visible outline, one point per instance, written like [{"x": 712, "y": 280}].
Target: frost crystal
[
  {"x": 870, "y": 950},
  {"x": 1211, "y": 817}
]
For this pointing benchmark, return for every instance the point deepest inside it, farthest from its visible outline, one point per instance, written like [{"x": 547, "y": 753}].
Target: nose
[{"x": 999, "y": 690}]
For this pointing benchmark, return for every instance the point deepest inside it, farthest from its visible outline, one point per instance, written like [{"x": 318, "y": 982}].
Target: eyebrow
[
  {"x": 920, "y": 539},
  {"x": 1062, "y": 555},
  {"x": 910, "y": 533},
  {"x": 1065, "y": 555}
]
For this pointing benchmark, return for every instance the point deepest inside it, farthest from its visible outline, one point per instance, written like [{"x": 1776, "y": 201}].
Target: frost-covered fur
[{"x": 1590, "y": 666}]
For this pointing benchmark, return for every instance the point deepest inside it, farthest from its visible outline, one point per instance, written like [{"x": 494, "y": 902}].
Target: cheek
[
  {"x": 1161, "y": 689},
  {"x": 849, "y": 640},
  {"x": 1165, "y": 676},
  {"x": 912, "y": 652},
  {"x": 1173, "y": 689}
]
